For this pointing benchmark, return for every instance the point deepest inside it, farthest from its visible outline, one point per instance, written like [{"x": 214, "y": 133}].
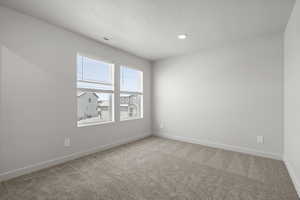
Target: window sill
[
  {"x": 93, "y": 124},
  {"x": 131, "y": 119}
]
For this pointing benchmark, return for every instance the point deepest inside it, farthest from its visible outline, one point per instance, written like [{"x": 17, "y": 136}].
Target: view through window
[
  {"x": 131, "y": 93},
  {"x": 95, "y": 91}
]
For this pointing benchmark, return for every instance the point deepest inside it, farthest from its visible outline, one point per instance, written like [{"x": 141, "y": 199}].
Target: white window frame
[
  {"x": 133, "y": 93},
  {"x": 112, "y": 92}
]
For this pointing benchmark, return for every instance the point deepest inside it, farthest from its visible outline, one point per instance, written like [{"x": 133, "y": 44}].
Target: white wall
[
  {"x": 224, "y": 96},
  {"x": 38, "y": 93},
  {"x": 292, "y": 95}
]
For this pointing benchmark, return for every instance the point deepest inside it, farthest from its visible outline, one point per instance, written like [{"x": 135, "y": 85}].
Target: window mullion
[
  {"x": 96, "y": 82},
  {"x": 117, "y": 92},
  {"x": 96, "y": 90},
  {"x": 129, "y": 92}
]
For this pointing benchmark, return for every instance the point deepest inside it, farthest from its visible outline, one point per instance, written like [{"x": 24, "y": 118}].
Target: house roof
[{"x": 80, "y": 93}]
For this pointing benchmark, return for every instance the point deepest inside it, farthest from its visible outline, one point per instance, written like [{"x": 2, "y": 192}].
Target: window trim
[{"x": 85, "y": 124}]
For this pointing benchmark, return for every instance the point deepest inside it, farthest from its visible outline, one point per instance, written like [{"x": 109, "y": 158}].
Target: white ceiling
[{"x": 149, "y": 28}]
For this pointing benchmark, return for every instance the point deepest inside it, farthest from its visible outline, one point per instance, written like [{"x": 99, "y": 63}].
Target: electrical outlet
[
  {"x": 161, "y": 125},
  {"x": 260, "y": 139},
  {"x": 67, "y": 142}
]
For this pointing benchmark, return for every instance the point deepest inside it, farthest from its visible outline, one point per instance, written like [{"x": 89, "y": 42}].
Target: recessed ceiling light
[{"x": 182, "y": 36}]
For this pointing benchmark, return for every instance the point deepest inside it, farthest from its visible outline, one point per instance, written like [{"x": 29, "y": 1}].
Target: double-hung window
[
  {"x": 95, "y": 91},
  {"x": 131, "y": 93}
]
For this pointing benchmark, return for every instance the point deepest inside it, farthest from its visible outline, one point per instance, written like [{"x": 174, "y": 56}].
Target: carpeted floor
[{"x": 157, "y": 169}]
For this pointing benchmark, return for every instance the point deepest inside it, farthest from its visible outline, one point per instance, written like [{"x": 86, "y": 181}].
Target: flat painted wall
[
  {"x": 292, "y": 95},
  {"x": 224, "y": 96},
  {"x": 38, "y": 93}
]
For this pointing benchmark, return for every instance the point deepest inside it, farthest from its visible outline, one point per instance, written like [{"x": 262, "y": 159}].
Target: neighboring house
[
  {"x": 104, "y": 105},
  {"x": 131, "y": 99},
  {"x": 87, "y": 105},
  {"x": 130, "y": 104}
]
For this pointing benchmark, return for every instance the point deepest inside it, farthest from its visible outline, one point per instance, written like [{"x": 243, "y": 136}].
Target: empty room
[{"x": 150, "y": 100}]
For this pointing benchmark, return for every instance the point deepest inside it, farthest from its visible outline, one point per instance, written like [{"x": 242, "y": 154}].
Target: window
[
  {"x": 131, "y": 93},
  {"x": 95, "y": 91}
]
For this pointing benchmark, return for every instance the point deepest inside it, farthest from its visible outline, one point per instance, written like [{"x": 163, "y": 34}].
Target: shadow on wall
[{"x": 27, "y": 96}]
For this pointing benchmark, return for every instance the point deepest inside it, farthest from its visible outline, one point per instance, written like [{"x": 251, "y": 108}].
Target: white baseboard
[
  {"x": 293, "y": 176},
  {"x": 221, "y": 146},
  {"x": 45, "y": 164}
]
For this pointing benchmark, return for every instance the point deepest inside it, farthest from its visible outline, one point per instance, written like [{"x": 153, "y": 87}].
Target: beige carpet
[{"x": 157, "y": 169}]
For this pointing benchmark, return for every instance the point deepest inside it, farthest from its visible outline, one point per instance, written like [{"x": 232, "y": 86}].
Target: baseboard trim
[
  {"x": 292, "y": 174},
  {"x": 49, "y": 163},
  {"x": 221, "y": 146}
]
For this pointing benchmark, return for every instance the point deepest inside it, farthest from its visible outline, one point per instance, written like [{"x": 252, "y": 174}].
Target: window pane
[
  {"x": 130, "y": 106},
  {"x": 93, "y": 107},
  {"x": 93, "y": 70},
  {"x": 131, "y": 80}
]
